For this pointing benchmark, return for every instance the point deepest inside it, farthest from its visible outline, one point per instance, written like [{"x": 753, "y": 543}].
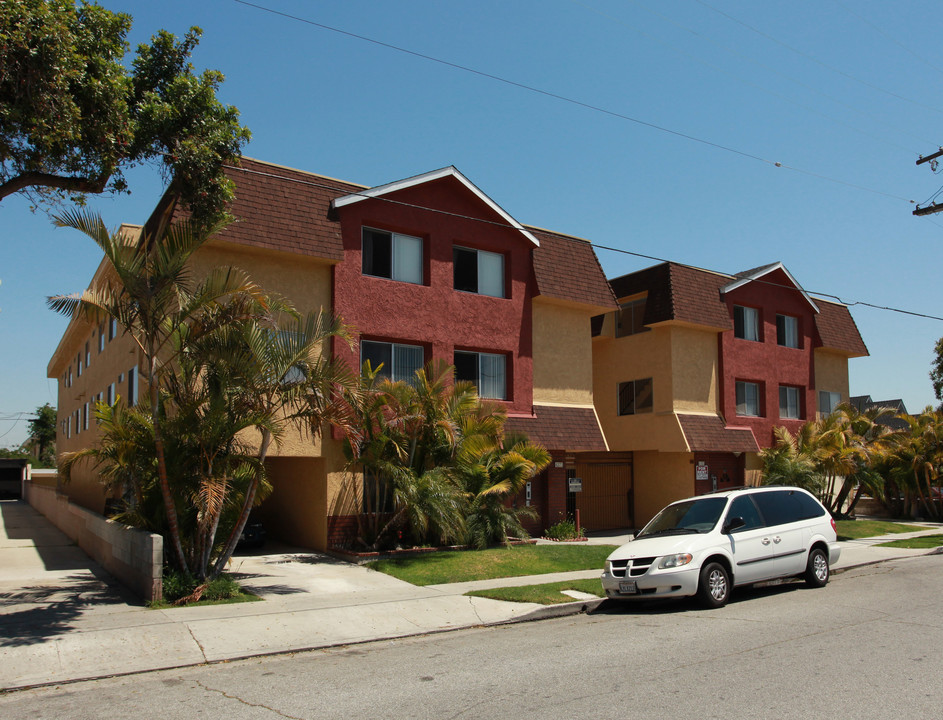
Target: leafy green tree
[
  {"x": 936, "y": 371},
  {"x": 791, "y": 460},
  {"x": 150, "y": 291},
  {"x": 917, "y": 463},
  {"x": 73, "y": 116},
  {"x": 42, "y": 434}
]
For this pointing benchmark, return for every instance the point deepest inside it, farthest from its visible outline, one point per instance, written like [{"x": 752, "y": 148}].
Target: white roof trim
[
  {"x": 428, "y": 177},
  {"x": 765, "y": 271}
]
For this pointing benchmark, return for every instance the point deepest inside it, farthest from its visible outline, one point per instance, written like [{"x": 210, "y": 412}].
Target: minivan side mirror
[{"x": 733, "y": 523}]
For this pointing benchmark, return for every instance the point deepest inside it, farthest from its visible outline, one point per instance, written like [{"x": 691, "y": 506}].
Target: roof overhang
[
  {"x": 450, "y": 171},
  {"x": 766, "y": 270}
]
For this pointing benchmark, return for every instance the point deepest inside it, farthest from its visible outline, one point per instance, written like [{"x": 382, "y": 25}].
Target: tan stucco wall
[
  {"x": 660, "y": 478},
  {"x": 563, "y": 354},
  {"x": 831, "y": 374},
  {"x": 694, "y": 369},
  {"x": 682, "y": 363}
]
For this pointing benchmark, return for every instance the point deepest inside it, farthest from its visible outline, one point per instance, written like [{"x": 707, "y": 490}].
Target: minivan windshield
[{"x": 699, "y": 515}]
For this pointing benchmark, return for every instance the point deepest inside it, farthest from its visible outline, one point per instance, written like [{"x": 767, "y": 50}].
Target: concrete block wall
[{"x": 135, "y": 557}]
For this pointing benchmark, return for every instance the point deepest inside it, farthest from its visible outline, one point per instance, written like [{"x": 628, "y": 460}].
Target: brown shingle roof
[
  {"x": 706, "y": 433},
  {"x": 567, "y": 268},
  {"x": 560, "y": 428},
  {"x": 278, "y": 208},
  {"x": 837, "y": 329},
  {"x": 678, "y": 292}
]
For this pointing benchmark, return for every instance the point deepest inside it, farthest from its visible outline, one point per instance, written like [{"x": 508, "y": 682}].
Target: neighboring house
[
  {"x": 424, "y": 268},
  {"x": 863, "y": 403},
  {"x": 695, "y": 370}
]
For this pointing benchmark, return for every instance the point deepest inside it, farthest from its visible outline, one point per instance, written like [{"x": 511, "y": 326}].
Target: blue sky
[{"x": 844, "y": 96}]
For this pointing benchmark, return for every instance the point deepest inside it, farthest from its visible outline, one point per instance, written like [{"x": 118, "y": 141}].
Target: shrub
[{"x": 564, "y": 530}]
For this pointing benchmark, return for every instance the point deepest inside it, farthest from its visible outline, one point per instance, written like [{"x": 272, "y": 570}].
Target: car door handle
[
  {"x": 777, "y": 539},
  {"x": 766, "y": 541}
]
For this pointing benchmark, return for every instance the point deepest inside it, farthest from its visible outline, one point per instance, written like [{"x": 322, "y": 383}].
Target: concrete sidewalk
[{"x": 60, "y": 624}]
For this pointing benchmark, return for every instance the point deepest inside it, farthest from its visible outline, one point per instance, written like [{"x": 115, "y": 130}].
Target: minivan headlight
[{"x": 673, "y": 561}]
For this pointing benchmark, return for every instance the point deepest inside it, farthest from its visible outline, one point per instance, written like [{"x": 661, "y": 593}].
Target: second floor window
[
  {"x": 635, "y": 396},
  {"x": 788, "y": 402},
  {"x": 400, "y": 362},
  {"x": 746, "y": 323},
  {"x": 748, "y": 399},
  {"x": 478, "y": 271},
  {"x": 133, "y": 386},
  {"x": 787, "y": 331},
  {"x": 487, "y": 371},
  {"x": 391, "y": 255}
]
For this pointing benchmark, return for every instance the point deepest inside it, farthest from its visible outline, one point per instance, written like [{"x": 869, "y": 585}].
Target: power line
[
  {"x": 815, "y": 59},
  {"x": 563, "y": 98},
  {"x": 365, "y": 194},
  {"x": 761, "y": 88}
]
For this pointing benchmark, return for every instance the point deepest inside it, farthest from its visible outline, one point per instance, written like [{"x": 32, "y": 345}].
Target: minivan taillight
[{"x": 834, "y": 526}]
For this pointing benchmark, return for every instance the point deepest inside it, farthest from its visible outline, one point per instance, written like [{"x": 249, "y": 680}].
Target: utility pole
[{"x": 932, "y": 207}]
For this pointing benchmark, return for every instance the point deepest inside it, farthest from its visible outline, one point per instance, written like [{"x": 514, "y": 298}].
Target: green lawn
[
  {"x": 463, "y": 566},
  {"x": 545, "y": 594},
  {"x": 854, "y": 529},
  {"x": 924, "y": 541}
]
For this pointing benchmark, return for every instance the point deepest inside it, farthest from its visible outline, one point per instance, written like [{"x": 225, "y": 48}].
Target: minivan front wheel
[
  {"x": 817, "y": 571},
  {"x": 713, "y": 590}
]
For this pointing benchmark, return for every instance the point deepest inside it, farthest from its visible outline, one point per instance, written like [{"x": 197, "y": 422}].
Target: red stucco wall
[
  {"x": 765, "y": 362},
  {"x": 435, "y": 315}
]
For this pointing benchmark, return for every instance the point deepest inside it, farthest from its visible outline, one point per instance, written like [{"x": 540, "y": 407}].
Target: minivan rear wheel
[
  {"x": 817, "y": 570},
  {"x": 713, "y": 589}
]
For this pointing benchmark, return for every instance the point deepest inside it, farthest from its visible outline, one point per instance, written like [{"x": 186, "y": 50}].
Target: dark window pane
[
  {"x": 466, "y": 367},
  {"x": 465, "y": 269},
  {"x": 778, "y": 507},
  {"x": 627, "y": 398},
  {"x": 743, "y": 507},
  {"x": 643, "y": 395},
  {"x": 377, "y": 253},
  {"x": 377, "y": 353}
]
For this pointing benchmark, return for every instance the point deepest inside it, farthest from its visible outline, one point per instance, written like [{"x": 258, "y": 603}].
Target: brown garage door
[{"x": 606, "y": 501}]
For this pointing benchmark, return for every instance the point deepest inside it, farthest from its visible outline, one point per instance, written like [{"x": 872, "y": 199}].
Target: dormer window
[
  {"x": 392, "y": 255},
  {"x": 631, "y": 318},
  {"x": 787, "y": 331}
]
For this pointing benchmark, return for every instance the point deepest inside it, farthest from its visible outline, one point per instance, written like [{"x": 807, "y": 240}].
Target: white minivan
[{"x": 707, "y": 545}]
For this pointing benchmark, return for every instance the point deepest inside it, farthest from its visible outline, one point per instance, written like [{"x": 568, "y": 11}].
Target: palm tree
[
  {"x": 918, "y": 461},
  {"x": 151, "y": 293},
  {"x": 493, "y": 475},
  {"x": 791, "y": 460}
]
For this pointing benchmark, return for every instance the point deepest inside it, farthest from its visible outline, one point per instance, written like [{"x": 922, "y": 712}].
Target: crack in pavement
[
  {"x": 246, "y": 702},
  {"x": 472, "y": 604},
  {"x": 198, "y": 643}
]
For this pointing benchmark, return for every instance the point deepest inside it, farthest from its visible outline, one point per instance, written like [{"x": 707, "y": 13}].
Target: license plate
[{"x": 628, "y": 588}]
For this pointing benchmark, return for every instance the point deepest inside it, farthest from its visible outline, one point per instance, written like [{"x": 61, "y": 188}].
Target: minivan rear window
[{"x": 786, "y": 506}]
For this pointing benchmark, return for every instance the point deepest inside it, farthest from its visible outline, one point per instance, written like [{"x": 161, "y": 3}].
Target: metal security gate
[{"x": 606, "y": 501}]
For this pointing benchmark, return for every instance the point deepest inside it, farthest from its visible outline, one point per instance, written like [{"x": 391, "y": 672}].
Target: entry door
[{"x": 606, "y": 500}]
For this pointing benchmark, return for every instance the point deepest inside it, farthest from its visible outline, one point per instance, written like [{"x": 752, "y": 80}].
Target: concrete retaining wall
[{"x": 133, "y": 556}]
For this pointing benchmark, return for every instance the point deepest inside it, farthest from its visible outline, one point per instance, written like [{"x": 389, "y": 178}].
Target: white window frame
[
  {"x": 111, "y": 394},
  {"x": 112, "y": 329},
  {"x": 789, "y": 398},
  {"x": 831, "y": 401},
  {"x": 749, "y": 322},
  {"x": 787, "y": 331},
  {"x": 406, "y": 256},
  {"x": 78, "y": 360},
  {"x": 744, "y": 390},
  {"x": 491, "y": 377},
  {"x": 489, "y": 272},
  {"x": 402, "y": 359}
]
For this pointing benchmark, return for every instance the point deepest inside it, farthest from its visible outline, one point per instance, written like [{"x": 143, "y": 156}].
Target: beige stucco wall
[
  {"x": 660, "y": 478},
  {"x": 694, "y": 369},
  {"x": 563, "y": 364},
  {"x": 753, "y": 469},
  {"x": 831, "y": 374}
]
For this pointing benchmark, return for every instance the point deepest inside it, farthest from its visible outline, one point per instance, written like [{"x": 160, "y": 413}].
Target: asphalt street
[{"x": 869, "y": 645}]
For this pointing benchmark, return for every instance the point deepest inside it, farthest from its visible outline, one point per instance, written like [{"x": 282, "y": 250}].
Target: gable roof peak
[
  {"x": 432, "y": 175},
  {"x": 756, "y": 273}
]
